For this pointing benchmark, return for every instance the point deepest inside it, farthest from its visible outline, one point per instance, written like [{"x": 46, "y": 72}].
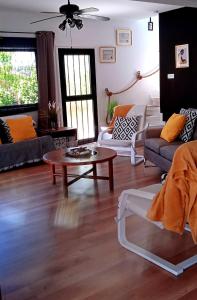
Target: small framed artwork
[
  {"x": 182, "y": 56},
  {"x": 123, "y": 37},
  {"x": 107, "y": 54}
]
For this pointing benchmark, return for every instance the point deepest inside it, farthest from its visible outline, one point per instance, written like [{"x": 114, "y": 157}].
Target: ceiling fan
[{"x": 73, "y": 15}]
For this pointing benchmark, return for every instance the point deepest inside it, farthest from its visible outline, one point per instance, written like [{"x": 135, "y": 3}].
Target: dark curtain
[{"x": 46, "y": 75}]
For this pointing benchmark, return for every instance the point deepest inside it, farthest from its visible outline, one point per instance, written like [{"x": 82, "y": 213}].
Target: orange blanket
[
  {"x": 120, "y": 111},
  {"x": 176, "y": 203}
]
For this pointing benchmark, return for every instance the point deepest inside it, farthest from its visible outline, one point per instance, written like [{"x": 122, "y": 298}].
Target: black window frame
[{"x": 18, "y": 44}]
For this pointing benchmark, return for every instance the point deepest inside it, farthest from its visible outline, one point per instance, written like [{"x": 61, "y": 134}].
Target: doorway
[{"x": 78, "y": 89}]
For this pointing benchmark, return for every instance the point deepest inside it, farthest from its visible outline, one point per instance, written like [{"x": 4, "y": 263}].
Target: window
[{"x": 18, "y": 76}]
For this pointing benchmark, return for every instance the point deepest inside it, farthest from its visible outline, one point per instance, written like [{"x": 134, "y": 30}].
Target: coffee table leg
[
  {"x": 111, "y": 176},
  {"x": 65, "y": 181},
  {"x": 94, "y": 170},
  {"x": 53, "y": 174}
]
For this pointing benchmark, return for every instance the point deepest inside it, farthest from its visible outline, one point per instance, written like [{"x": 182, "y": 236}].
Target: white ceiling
[{"x": 115, "y": 9}]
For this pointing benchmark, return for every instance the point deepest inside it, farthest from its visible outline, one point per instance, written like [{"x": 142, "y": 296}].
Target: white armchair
[{"x": 126, "y": 147}]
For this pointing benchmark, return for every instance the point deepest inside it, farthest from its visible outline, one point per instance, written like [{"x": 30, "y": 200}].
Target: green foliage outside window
[{"x": 18, "y": 78}]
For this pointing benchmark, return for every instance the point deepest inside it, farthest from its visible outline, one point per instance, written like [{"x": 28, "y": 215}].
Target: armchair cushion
[
  {"x": 113, "y": 143},
  {"x": 124, "y": 128}
]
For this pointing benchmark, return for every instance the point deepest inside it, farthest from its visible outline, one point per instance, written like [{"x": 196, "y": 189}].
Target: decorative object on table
[
  {"x": 79, "y": 152},
  {"x": 123, "y": 37},
  {"x": 107, "y": 54},
  {"x": 150, "y": 25},
  {"x": 72, "y": 14},
  {"x": 182, "y": 56},
  {"x": 52, "y": 115}
]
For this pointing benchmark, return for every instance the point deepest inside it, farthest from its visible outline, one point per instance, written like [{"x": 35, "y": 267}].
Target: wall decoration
[
  {"x": 107, "y": 54},
  {"x": 123, "y": 37},
  {"x": 182, "y": 56}
]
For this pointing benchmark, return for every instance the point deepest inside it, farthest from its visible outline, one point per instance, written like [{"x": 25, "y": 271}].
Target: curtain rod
[{"x": 17, "y": 32}]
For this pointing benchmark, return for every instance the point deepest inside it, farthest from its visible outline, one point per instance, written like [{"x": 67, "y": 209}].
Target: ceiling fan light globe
[
  {"x": 79, "y": 26},
  {"x": 78, "y": 23},
  {"x": 71, "y": 22},
  {"x": 62, "y": 26}
]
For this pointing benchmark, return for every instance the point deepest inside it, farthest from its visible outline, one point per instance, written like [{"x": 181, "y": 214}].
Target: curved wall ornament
[{"x": 138, "y": 77}]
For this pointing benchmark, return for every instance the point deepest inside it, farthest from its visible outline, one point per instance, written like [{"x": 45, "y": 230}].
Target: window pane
[
  {"x": 77, "y": 73},
  {"x": 80, "y": 116},
  {"x": 18, "y": 78}
]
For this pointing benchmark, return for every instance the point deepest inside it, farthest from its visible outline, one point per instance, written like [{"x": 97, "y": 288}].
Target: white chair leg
[{"x": 135, "y": 158}]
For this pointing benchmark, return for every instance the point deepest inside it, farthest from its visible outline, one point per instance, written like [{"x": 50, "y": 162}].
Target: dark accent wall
[{"x": 177, "y": 27}]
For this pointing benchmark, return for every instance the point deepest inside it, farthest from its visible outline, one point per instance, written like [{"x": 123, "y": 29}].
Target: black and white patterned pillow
[
  {"x": 188, "y": 129},
  {"x": 5, "y": 134},
  {"x": 124, "y": 128},
  {"x": 163, "y": 178}
]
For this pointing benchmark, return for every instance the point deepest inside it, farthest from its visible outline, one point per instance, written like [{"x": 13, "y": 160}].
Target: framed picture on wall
[
  {"x": 123, "y": 37},
  {"x": 182, "y": 56},
  {"x": 107, "y": 54}
]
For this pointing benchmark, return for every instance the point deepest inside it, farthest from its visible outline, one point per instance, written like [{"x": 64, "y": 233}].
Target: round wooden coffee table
[{"x": 58, "y": 157}]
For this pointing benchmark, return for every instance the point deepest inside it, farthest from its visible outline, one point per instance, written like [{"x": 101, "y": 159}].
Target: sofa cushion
[
  {"x": 168, "y": 151},
  {"x": 187, "y": 132},
  {"x": 155, "y": 144},
  {"x": 173, "y": 127},
  {"x": 21, "y": 128}
]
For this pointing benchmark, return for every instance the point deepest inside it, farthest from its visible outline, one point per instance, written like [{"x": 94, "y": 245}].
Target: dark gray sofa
[
  {"x": 159, "y": 151},
  {"x": 25, "y": 152}
]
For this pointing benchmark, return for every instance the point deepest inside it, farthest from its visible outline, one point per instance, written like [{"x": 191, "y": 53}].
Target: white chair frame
[
  {"x": 123, "y": 150},
  {"x": 128, "y": 207}
]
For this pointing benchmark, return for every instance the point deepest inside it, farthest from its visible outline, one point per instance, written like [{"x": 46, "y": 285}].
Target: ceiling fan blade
[
  {"x": 93, "y": 17},
  {"x": 47, "y": 19},
  {"x": 86, "y": 10},
  {"x": 50, "y": 12}
]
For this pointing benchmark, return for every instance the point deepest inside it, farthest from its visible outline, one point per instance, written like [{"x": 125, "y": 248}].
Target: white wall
[{"x": 143, "y": 55}]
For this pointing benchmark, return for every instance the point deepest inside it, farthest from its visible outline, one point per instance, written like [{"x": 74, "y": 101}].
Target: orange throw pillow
[
  {"x": 21, "y": 129},
  {"x": 173, "y": 127},
  {"x": 120, "y": 111}
]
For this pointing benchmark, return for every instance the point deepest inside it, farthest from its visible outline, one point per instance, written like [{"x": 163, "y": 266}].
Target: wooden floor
[{"x": 39, "y": 259}]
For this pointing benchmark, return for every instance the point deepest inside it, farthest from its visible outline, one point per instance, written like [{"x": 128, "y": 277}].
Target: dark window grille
[{"x": 78, "y": 85}]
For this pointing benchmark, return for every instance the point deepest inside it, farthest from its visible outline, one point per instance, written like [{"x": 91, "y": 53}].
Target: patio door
[{"x": 78, "y": 88}]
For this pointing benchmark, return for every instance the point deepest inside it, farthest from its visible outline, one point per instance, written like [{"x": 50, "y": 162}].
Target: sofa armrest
[{"x": 153, "y": 132}]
